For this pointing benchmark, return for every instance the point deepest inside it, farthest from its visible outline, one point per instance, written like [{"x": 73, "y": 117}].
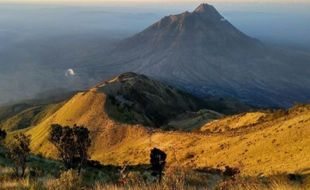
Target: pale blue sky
[{"x": 152, "y": 1}]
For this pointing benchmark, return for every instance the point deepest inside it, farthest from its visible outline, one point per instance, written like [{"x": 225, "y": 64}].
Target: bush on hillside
[
  {"x": 231, "y": 172},
  {"x": 295, "y": 177},
  {"x": 158, "y": 162},
  {"x": 68, "y": 180},
  {"x": 72, "y": 144},
  {"x": 18, "y": 152},
  {"x": 2, "y": 135}
]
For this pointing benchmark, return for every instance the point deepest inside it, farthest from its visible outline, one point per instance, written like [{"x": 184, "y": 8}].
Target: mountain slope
[
  {"x": 140, "y": 98},
  {"x": 202, "y": 52},
  {"x": 119, "y": 110},
  {"x": 279, "y": 143},
  {"x": 29, "y": 117},
  {"x": 256, "y": 142}
]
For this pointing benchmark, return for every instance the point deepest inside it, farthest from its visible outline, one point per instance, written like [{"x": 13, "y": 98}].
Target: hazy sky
[
  {"x": 152, "y": 1},
  {"x": 35, "y": 33}
]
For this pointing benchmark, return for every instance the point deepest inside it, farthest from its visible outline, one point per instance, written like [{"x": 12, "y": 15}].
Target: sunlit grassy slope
[
  {"x": 256, "y": 142},
  {"x": 29, "y": 117}
]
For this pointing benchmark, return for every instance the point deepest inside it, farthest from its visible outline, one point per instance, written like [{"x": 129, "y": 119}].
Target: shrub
[
  {"x": 134, "y": 177},
  {"x": 18, "y": 152},
  {"x": 231, "y": 172},
  {"x": 175, "y": 178},
  {"x": 36, "y": 186},
  {"x": 295, "y": 177},
  {"x": 72, "y": 144},
  {"x": 2, "y": 135},
  {"x": 94, "y": 164},
  {"x": 35, "y": 172},
  {"x": 158, "y": 162},
  {"x": 68, "y": 180}
]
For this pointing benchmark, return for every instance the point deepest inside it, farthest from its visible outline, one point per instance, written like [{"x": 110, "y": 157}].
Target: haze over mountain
[
  {"x": 36, "y": 53},
  {"x": 203, "y": 53}
]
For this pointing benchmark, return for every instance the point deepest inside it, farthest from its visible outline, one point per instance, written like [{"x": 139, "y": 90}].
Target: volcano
[{"x": 203, "y": 53}]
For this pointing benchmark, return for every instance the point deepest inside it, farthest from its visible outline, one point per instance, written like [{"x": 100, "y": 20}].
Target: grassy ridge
[
  {"x": 29, "y": 117},
  {"x": 258, "y": 143},
  {"x": 279, "y": 143},
  {"x": 46, "y": 174}
]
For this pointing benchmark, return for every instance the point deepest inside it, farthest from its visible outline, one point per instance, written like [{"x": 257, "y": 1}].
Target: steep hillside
[
  {"x": 29, "y": 117},
  {"x": 119, "y": 111},
  {"x": 279, "y": 143},
  {"x": 11, "y": 110},
  {"x": 126, "y": 116},
  {"x": 33, "y": 111},
  {"x": 257, "y": 142},
  {"x": 134, "y": 98},
  {"x": 205, "y": 54}
]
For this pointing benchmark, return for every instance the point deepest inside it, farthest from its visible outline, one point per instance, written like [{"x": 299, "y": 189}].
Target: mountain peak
[
  {"x": 208, "y": 11},
  {"x": 204, "y": 7}
]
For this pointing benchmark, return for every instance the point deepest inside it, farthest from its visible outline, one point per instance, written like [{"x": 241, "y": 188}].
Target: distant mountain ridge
[
  {"x": 203, "y": 53},
  {"x": 203, "y": 26}
]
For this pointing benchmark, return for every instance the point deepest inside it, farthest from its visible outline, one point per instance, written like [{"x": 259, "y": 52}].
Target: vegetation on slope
[
  {"x": 31, "y": 112},
  {"x": 29, "y": 117},
  {"x": 260, "y": 143},
  {"x": 137, "y": 99},
  {"x": 51, "y": 175},
  {"x": 279, "y": 144}
]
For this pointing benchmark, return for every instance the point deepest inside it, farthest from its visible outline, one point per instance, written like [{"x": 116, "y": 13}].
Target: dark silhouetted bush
[
  {"x": 72, "y": 144},
  {"x": 295, "y": 177},
  {"x": 2, "y": 135},
  {"x": 18, "y": 152},
  {"x": 231, "y": 172},
  {"x": 158, "y": 162},
  {"x": 94, "y": 164}
]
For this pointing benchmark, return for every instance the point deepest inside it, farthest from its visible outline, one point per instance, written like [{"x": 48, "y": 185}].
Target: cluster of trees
[{"x": 72, "y": 144}]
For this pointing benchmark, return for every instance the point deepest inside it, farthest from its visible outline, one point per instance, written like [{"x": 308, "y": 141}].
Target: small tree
[
  {"x": 82, "y": 144},
  {"x": 72, "y": 144},
  {"x": 18, "y": 152},
  {"x": 2, "y": 135},
  {"x": 158, "y": 162}
]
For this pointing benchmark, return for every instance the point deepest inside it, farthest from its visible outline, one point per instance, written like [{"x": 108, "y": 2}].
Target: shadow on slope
[{"x": 137, "y": 99}]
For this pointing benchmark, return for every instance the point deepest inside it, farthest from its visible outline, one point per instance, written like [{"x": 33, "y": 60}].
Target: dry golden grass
[
  {"x": 7, "y": 182},
  {"x": 254, "y": 145},
  {"x": 183, "y": 183},
  {"x": 234, "y": 122},
  {"x": 15, "y": 184},
  {"x": 274, "y": 183},
  {"x": 175, "y": 178}
]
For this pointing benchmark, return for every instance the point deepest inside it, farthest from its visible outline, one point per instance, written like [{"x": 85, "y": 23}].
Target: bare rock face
[{"x": 205, "y": 54}]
